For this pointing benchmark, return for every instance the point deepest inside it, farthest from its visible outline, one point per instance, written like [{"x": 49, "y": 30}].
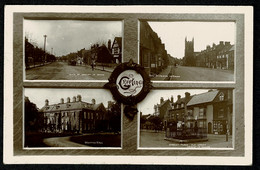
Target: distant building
[
  {"x": 176, "y": 114},
  {"x": 225, "y": 58},
  {"x": 79, "y": 60},
  {"x": 189, "y": 56},
  {"x": 116, "y": 50},
  {"x": 74, "y": 116},
  {"x": 219, "y": 56}
]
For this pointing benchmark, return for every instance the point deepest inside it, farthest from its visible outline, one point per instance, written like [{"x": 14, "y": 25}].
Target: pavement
[
  {"x": 156, "y": 139},
  {"x": 37, "y": 65},
  {"x": 63, "y": 71},
  {"x": 184, "y": 73}
]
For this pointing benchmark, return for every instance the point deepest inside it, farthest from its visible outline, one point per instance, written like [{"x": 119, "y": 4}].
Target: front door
[{"x": 209, "y": 127}]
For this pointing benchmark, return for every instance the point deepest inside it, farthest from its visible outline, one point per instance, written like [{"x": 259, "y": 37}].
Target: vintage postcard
[{"x": 180, "y": 81}]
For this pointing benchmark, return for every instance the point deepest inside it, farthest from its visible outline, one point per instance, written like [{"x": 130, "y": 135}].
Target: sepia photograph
[
  {"x": 188, "y": 51},
  {"x": 190, "y": 118},
  {"x": 63, "y": 64},
  {"x": 71, "y": 118},
  {"x": 71, "y": 49}
]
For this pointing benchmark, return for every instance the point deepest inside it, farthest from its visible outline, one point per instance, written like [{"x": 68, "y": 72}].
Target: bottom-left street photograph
[{"x": 71, "y": 118}]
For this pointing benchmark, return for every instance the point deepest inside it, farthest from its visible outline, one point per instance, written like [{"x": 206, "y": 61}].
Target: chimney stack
[
  {"x": 227, "y": 43},
  {"x": 62, "y": 101},
  {"x": 93, "y": 101},
  {"x": 79, "y": 98},
  {"x": 46, "y": 102},
  {"x": 171, "y": 99},
  {"x": 179, "y": 97},
  {"x": 161, "y": 100},
  {"x": 68, "y": 99},
  {"x": 74, "y": 98},
  {"x": 109, "y": 44},
  {"x": 187, "y": 95},
  {"x": 221, "y": 42}
]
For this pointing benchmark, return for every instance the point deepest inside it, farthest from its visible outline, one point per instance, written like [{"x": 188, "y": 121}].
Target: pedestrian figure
[
  {"x": 92, "y": 65},
  {"x": 196, "y": 128}
]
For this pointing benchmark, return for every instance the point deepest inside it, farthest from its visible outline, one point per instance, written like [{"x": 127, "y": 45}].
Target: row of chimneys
[
  {"x": 220, "y": 43},
  {"x": 68, "y": 100},
  {"x": 187, "y": 95}
]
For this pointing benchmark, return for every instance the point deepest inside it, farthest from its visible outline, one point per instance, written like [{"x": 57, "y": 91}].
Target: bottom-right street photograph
[{"x": 187, "y": 118}]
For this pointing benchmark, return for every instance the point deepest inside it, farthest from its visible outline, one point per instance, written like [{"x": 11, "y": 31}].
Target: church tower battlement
[{"x": 189, "y": 58}]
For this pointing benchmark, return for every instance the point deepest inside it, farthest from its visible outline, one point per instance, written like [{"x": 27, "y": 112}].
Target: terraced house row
[{"x": 220, "y": 56}]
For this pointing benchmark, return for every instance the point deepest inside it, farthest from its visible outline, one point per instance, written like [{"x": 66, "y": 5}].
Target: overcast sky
[
  {"x": 66, "y": 36},
  {"x": 173, "y": 34},
  {"x": 38, "y": 95},
  {"x": 154, "y": 96}
]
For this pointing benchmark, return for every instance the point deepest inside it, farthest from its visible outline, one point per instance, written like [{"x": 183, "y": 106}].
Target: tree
[
  {"x": 156, "y": 121},
  {"x": 33, "y": 119},
  {"x": 114, "y": 113}
]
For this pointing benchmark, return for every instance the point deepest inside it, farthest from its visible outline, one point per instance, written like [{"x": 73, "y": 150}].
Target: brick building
[
  {"x": 74, "y": 116},
  {"x": 225, "y": 58},
  {"x": 209, "y": 112},
  {"x": 153, "y": 56},
  {"x": 219, "y": 56}
]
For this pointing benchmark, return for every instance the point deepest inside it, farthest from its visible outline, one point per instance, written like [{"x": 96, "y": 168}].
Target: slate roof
[
  {"x": 232, "y": 48},
  {"x": 203, "y": 98},
  {"x": 70, "y": 106},
  {"x": 227, "y": 48}
]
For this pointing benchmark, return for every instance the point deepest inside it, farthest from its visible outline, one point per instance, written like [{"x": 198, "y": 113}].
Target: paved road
[
  {"x": 156, "y": 139},
  {"x": 202, "y": 74},
  {"x": 61, "y": 142},
  {"x": 63, "y": 71},
  {"x": 183, "y": 73}
]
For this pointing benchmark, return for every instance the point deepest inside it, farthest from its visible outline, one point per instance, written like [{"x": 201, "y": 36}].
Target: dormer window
[{"x": 221, "y": 96}]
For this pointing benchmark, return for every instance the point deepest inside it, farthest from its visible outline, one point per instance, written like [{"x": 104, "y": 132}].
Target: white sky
[
  {"x": 66, "y": 36},
  {"x": 39, "y": 95},
  {"x": 154, "y": 96},
  {"x": 173, "y": 34}
]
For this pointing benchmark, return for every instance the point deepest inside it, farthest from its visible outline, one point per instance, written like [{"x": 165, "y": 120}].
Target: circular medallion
[{"x": 129, "y": 83}]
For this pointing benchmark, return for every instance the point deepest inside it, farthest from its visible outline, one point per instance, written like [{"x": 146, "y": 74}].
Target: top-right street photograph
[{"x": 188, "y": 51}]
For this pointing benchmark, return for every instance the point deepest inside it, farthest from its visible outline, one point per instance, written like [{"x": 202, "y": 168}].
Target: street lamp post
[{"x": 44, "y": 57}]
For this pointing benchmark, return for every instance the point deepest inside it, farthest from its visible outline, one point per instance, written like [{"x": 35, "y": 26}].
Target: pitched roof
[
  {"x": 232, "y": 48},
  {"x": 119, "y": 41},
  {"x": 70, "y": 106},
  {"x": 226, "y": 48},
  {"x": 203, "y": 98}
]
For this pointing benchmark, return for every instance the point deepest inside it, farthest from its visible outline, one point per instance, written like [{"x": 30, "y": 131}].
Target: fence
[{"x": 188, "y": 133}]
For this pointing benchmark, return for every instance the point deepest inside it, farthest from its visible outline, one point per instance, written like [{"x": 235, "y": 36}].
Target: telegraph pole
[{"x": 45, "y": 36}]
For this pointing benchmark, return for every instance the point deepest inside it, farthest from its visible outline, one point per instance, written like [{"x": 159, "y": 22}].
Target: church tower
[{"x": 189, "y": 58}]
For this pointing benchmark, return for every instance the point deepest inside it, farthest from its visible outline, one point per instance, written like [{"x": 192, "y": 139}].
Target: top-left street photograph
[{"x": 71, "y": 49}]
